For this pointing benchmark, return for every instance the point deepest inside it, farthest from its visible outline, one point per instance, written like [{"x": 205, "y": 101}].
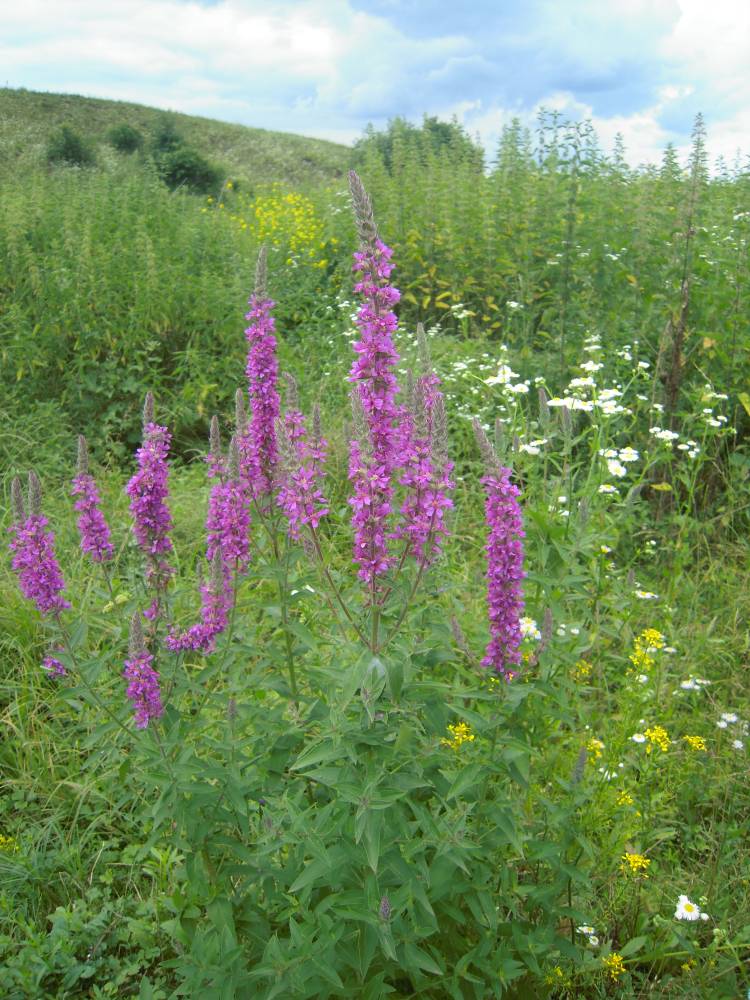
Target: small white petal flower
[
  {"x": 729, "y": 717},
  {"x": 593, "y": 940},
  {"x": 646, "y": 595},
  {"x": 638, "y": 738},
  {"x": 616, "y": 468},
  {"x": 686, "y": 910},
  {"x": 607, "y": 488},
  {"x": 738, "y": 745}
]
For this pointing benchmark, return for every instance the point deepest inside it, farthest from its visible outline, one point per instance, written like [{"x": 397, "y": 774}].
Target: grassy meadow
[{"x": 351, "y": 805}]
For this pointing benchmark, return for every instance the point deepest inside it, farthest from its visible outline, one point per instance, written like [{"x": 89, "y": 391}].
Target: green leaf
[{"x": 633, "y": 946}]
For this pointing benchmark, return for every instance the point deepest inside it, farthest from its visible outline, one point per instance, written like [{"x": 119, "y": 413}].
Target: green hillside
[{"x": 28, "y": 118}]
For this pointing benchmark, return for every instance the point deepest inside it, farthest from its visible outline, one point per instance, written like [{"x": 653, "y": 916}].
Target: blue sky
[{"x": 328, "y": 67}]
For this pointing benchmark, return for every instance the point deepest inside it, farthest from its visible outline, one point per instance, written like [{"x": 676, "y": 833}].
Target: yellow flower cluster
[
  {"x": 624, "y": 798},
  {"x": 8, "y": 844},
  {"x": 644, "y": 647},
  {"x": 635, "y": 864},
  {"x": 283, "y": 219},
  {"x": 582, "y": 670},
  {"x": 614, "y": 965},
  {"x": 460, "y": 734},
  {"x": 695, "y": 742},
  {"x": 595, "y": 747},
  {"x": 556, "y": 977},
  {"x": 657, "y": 736}
]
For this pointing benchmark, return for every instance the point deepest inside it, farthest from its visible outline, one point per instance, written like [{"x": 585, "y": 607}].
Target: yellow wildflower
[
  {"x": 657, "y": 736},
  {"x": 695, "y": 742},
  {"x": 614, "y": 965},
  {"x": 624, "y": 798},
  {"x": 582, "y": 670},
  {"x": 8, "y": 844},
  {"x": 595, "y": 747},
  {"x": 460, "y": 734},
  {"x": 645, "y": 646},
  {"x": 635, "y": 864}
]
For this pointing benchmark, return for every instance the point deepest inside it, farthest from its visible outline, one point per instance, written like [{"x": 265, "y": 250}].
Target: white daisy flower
[
  {"x": 593, "y": 940},
  {"x": 686, "y": 910},
  {"x": 738, "y": 745},
  {"x": 529, "y": 629},
  {"x": 646, "y": 595},
  {"x": 629, "y": 455},
  {"x": 729, "y": 717},
  {"x": 616, "y": 468},
  {"x": 607, "y": 488},
  {"x": 638, "y": 738}
]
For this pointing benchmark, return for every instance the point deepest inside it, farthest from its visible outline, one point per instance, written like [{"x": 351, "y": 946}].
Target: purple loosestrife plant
[
  {"x": 148, "y": 491},
  {"x": 504, "y": 563},
  {"x": 374, "y": 453},
  {"x": 258, "y": 450},
  {"x": 33, "y": 548},
  {"x": 143, "y": 680},
  {"x": 92, "y": 527}
]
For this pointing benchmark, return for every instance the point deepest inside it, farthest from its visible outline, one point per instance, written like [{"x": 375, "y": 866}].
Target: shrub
[
  {"x": 67, "y": 146},
  {"x": 186, "y": 167},
  {"x": 125, "y": 138}
]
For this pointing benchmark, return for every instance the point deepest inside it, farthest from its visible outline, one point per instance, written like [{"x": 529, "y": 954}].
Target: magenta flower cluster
[
  {"x": 148, "y": 491},
  {"x": 201, "y": 637},
  {"x": 372, "y": 461},
  {"x": 300, "y": 495},
  {"x": 34, "y": 561},
  {"x": 426, "y": 476},
  {"x": 258, "y": 449},
  {"x": 93, "y": 529},
  {"x": 504, "y": 572},
  {"x": 143, "y": 688}
]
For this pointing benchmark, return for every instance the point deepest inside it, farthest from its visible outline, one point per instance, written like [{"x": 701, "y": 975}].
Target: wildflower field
[{"x": 397, "y": 645}]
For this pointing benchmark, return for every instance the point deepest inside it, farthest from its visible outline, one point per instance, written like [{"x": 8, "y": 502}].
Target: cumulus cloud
[{"x": 328, "y": 67}]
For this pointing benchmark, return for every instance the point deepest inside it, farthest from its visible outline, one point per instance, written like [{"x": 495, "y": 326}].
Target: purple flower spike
[
  {"x": 148, "y": 491},
  {"x": 143, "y": 687},
  {"x": 258, "y": 452},
  {"x": 93, "y": 529},
  {"x": 504, "y": 565},
  {"x": 33, "y": 549},
  {"x": 374, "y": 453}
]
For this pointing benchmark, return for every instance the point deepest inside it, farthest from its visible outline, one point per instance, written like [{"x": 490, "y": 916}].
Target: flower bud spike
[
  {"x": 148, "y": 409},
  {"x": 439, "y": 434},
  {"x": 34, "y": 494},
  {"x": 544, "y": 412},
  {"x": 317, "y": 430},
  {"x": 17, "y": 505},
  {"x": 261, "y": 273},
  {"x": 486, "y": 450},
  {"x": 217, "y": 571},
  {"x": 82, "y": 466},
  {"x": 363, "y": 214},
  {"x": 137, "y": 642},
  {"x": 233, "y": 459},
  {"x": 292, "y": 392},
  {"x": 423, "y": 351},
  {"x": 240, "y": 413},
  {"x": 214, "y": 436}
]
